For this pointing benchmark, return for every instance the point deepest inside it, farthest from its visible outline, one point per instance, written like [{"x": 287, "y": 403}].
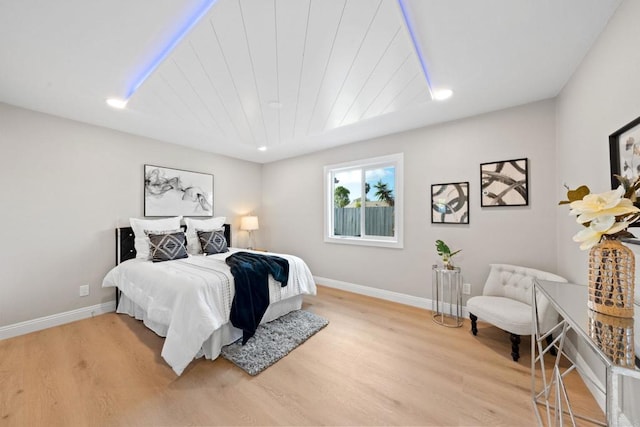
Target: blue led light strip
[
  {"x": 172, "y": 44},
  {"x": 414, "y": 40}
]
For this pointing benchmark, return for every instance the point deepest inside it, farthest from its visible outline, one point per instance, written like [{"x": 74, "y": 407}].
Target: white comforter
[{"x": 192, "y": 296}]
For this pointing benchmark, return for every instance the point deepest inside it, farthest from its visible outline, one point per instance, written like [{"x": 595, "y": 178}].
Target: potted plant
[{"x": 443, "y": 250}]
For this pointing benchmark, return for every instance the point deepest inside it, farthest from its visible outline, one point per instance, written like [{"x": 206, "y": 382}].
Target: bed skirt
[{"x": 222, "y": 336}]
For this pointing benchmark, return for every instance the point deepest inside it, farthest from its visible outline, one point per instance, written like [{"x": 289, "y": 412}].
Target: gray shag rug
[{"x": 274, "y": 340}]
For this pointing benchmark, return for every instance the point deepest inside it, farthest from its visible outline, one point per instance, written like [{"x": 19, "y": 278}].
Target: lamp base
[{"x": 250, "y": 247}]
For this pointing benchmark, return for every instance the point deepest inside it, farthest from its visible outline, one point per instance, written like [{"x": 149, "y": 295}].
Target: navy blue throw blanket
[{"x": 251, "y": 275}]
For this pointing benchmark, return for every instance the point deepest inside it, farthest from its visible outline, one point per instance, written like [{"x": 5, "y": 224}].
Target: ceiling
[{"x": 294, "y": 76}]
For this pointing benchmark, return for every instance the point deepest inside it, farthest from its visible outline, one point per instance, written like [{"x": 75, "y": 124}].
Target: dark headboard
[{"x": 125, "y": 248}]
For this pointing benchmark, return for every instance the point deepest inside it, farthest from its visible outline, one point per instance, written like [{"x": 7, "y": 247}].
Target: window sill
[{"x": 364, "y": 242}]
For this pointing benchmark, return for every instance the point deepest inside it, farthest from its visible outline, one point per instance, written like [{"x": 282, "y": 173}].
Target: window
[{"x": 364, "y": 202}]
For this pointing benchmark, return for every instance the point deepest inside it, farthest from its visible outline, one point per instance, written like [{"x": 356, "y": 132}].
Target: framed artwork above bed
[{"x": 173, "y": 192}]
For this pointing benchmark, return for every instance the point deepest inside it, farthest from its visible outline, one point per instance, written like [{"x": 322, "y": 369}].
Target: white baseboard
[
  {"x": 83, "y": 313},
  {"x": 382, "y": 294},
  {"x": 46, "y": 322}
]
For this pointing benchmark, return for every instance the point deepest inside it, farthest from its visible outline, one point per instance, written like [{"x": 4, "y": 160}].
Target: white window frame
[{"x": 395, "y": 160}]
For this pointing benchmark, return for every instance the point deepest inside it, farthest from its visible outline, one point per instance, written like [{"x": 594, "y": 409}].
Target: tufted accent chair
[{"x": 506, "y": 303}]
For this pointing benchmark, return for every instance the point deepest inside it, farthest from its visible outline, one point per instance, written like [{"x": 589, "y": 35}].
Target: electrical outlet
[
  {"x": 466, "y": 288},
  {"x": 84, "y": 290}
]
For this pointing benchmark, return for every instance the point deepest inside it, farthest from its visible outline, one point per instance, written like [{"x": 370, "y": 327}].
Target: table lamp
[{"x": 249, "y": 223}]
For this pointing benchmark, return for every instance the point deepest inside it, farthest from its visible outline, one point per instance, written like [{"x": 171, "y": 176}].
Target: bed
[{"x": 188, "y": 300}]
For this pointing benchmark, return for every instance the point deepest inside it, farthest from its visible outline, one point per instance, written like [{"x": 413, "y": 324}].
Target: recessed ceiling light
[
  {"x": 117, "y": 103},
  {"x": 263, "y": 148},
  {"x": 442, "y": 94},
  {"x": 275, "y": 105}
]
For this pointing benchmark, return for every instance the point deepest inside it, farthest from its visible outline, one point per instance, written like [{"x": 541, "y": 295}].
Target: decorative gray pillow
[
  {"x": 212, "y": 242},
  {"x": 167, "y": 246}
]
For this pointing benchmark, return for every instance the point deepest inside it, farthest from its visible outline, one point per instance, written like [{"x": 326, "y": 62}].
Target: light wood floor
[{"x": 377, "y": 363}]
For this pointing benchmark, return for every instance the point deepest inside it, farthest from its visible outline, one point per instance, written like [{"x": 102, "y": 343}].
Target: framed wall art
[
  {"x": 624, "y": 152},
  {"x": 504, "y": 183},
  {"x": 450, "y": 203},
  {"x": 172, "y": 192}
]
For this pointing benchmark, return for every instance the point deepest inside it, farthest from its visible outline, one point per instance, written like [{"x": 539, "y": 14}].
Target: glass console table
[
  {"x": 609, "y": 340},
  {"x": 446, "y": 296}
]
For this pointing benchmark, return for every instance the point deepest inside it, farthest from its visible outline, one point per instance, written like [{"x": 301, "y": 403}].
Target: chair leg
[
  {"x": 552, "y": 350},
  {"x": 474, "y": 323},
  {"x": 515, "y": 347}
]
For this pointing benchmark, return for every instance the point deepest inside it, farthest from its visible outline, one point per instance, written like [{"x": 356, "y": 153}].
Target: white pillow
[
  {"x": 141, "y": 241},
  {"x": 194, "y": 225}
]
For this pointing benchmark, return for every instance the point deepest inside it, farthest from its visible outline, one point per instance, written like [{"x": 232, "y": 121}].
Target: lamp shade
[{"x": 249, "y": 223}]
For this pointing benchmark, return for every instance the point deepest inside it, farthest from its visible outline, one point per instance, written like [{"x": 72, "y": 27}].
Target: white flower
[
  {"x": 599, "y": 226},
  {"x": 608, "y": 204}
]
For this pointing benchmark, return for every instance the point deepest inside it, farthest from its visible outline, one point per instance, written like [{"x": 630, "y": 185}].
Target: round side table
[{"x": 446, "y": 296}]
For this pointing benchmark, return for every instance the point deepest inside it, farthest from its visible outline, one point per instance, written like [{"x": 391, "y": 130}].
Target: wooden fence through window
[{"x": 378, "y": 221}]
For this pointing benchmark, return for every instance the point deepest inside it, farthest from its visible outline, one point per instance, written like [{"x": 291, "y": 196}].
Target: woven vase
[
  {"x": 614, "y": 336},
  {"x": 611, "y": 278}
]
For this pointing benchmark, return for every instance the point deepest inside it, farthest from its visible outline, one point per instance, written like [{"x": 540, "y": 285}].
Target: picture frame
[
  {"x": 624, "y": 152},
  {"x": 173, "y": 192},
  {"x": 450, "y": 203},
  {"x": 504, "y": 183}
]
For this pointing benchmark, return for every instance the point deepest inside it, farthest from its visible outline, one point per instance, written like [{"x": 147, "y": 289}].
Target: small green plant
[{"x": 443, "y": 250}]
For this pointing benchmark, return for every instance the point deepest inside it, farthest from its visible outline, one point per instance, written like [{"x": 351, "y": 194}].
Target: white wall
[
  {"x": 66, "y": 185},
  {"x": 292, "y": 204},
  {"x": 601, "y": 97}
]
